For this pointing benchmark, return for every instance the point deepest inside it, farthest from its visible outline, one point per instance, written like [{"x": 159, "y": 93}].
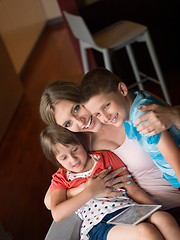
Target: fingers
[
  {"x": 121, "y": 185},
  {"x": 142, "y": 118},
  {"x": 150, "y": 107},
  {"x": 152, "y": 133},
  {"x": 122, "y": 179},
  {"x": 113, "y": 174},
  {"x": 109, "y": 179},
  {"x": 146, "y": 129},
  {"x": 106, "y": 175},
  {"x": 103, "y": 173},
  {"x": 116, "y": 194},
  {"x": 150, "y": 124},
  {"x": 109, "y": 193}
]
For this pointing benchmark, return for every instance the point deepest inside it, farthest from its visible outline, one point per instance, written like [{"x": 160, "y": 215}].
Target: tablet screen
[{"x": 134, "y": 214}]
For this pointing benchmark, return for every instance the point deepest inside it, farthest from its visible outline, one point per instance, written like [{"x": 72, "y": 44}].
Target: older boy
[{"x": 106, "y": 97}]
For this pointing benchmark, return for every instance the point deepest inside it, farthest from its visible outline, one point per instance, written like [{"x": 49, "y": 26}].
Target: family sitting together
[{"x": 113, "y": 149}]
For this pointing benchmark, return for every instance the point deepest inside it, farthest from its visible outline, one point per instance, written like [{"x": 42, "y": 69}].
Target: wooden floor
[{"x": 24, "y": 172}]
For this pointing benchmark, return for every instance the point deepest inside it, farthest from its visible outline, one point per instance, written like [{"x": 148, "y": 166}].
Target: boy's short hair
[
  {"x": 96, "y": 81},
  {"x": 53, "y": 135},
  {"x": 53, "y": 94}
]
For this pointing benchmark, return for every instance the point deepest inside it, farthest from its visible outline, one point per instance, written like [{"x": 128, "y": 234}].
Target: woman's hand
[
  {"x": 119, "y": 181},
  {"x": 112, "y": 183},
  {"x": 158, "y": 119},
  {"x": 100, "y": 183}
]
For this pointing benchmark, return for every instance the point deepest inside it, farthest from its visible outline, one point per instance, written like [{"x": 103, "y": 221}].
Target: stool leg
[
  {"x": 134, "y": 66},
  {"x": 84, "y": 57},
  {"x": 107, "y": 59},
  {"x": 156, "y": 66}
]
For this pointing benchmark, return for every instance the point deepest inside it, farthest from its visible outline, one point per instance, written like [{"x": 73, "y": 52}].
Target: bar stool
[{"x": 119, "y": 35}]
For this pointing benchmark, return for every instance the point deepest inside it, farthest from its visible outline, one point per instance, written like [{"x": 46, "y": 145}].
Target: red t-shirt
[{"x": 106, "y": 159}]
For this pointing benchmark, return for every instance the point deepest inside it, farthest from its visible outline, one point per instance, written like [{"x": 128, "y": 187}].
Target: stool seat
[
  {"x": 114, "y": 37},
  {"x": 118, "y": 35}
]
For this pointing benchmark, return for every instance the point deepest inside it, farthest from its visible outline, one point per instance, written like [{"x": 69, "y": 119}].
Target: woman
[{"x": 60, "y": 105}]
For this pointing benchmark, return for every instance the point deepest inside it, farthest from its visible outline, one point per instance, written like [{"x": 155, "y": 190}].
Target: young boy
[
  {"x": 77, "y": 167},
  {"x": 106, "y": 97}
]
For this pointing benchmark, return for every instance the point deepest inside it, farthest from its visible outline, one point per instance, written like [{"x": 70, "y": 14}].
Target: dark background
[{"x": 163, "y": 21}]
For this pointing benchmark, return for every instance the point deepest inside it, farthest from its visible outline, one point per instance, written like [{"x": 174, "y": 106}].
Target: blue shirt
[{"x": 149, "y": 143}]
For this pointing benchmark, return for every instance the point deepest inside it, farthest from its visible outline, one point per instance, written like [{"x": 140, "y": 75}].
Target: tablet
[{"x": 134, "y": 214}]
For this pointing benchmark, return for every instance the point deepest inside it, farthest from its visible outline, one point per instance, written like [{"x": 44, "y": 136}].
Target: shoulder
[
  {"x": 103, "y": 153},
  {"x": 142, "y": 98},
  {"x": 108, "y": 158},
  {"x": 59, "y": 180},
  {"x": 59, "y": 175},
  {"x": 59, "y": 172}
]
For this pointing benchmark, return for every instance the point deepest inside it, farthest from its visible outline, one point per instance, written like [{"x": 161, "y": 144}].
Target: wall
[
  {"x": 11, "y": 89},
  {"x": 21, "y": 23},
  {"x": 51, "y": 9}
]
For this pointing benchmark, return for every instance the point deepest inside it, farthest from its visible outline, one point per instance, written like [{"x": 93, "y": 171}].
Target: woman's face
[{"x": 75, "y": 118}]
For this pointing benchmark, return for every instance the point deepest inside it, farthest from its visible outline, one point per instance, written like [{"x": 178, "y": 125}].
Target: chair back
[{"x": 79, "y": 28}]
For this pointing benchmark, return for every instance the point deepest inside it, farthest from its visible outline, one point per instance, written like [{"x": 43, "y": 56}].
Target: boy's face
[
  {"x": 111, "y": 108},
  {"x": 72, "y": 157}
]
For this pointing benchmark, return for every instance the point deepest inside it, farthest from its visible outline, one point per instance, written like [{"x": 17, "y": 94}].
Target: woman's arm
[
  {"x": 158, "y": 119},
  {"x": 170, "y": 151},
  {"x": 137, "y": 194}
]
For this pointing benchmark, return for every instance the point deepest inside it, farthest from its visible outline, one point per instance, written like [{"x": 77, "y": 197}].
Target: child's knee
[{"x": 160, "y": 217}]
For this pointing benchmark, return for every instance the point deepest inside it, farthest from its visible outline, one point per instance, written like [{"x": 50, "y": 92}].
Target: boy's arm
[{"x": 170, "y": 151}]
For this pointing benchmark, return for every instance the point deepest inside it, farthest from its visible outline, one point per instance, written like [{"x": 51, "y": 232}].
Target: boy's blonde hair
[
  {"x": 53, "y": 135},
  {"x": 96, "y": 81},
  {"x": 53, "y": 94}
]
